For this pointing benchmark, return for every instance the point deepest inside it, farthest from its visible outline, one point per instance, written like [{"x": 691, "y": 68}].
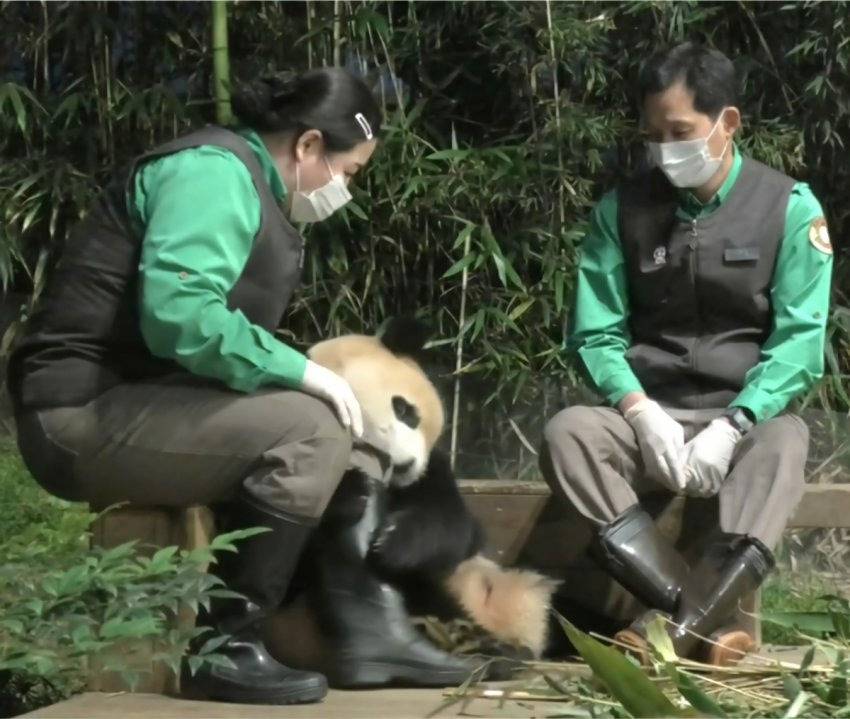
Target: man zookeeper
[{"x": 701, "y": 305}]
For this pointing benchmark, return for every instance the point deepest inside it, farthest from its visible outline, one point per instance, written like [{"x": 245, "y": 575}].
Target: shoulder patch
[{"x": 819, "y": 236}]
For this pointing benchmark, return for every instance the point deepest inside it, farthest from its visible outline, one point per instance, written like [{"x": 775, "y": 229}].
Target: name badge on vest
[{"x": 660, "y": 255}]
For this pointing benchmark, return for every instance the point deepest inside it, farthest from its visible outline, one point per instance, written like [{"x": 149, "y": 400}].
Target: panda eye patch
[{"x": 405, "y": 412}]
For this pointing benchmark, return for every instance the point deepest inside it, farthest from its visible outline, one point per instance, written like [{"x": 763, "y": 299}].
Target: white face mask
[
  {"x": 322, "y": 202},
  {"x": 687, "y": 163}
]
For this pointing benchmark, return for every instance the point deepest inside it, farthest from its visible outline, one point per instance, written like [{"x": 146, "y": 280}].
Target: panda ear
[{"x": 405, "y": 336}]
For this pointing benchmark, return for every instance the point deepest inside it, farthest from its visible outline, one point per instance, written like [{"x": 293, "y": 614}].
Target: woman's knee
[{"x": 300, "y": 472}]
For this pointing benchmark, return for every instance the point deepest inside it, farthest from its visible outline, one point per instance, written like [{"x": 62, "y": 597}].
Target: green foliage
[
  {"x": 793, "y": 601},
  {"x": 59, "y": 612},
  {"x": 815, "y": 686},
  {"x": 26, "y": 509},
  {"x": 473, "y": 208},
  {"x": 63, "y": 603}
]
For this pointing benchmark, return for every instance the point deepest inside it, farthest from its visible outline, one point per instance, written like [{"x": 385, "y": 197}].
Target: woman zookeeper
[{"x": 150, "y": 372}]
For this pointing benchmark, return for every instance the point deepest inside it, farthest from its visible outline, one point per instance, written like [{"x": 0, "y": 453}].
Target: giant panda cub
[{"x": 411, "y": 547}]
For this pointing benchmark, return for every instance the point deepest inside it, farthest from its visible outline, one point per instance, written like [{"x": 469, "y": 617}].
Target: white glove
[
  {"x": 661, "y": 439},
  {"x": 707, "y": 457},
  {"x": 322, "y": 382}
]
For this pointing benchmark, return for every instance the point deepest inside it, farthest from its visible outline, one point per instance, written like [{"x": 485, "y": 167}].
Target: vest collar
[
  {"x": 266, "y": 163},
  {"x": 690, "y": 207}
]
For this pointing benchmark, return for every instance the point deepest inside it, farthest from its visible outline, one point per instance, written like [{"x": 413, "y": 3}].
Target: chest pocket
[
  {"x": 742, "y": 276},
  {"x": 650, "y": 285},
  {"x": 739, "y": 255}
]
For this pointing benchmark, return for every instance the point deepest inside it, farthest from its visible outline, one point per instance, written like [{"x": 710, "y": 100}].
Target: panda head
[{"x": 402, "y": 412}]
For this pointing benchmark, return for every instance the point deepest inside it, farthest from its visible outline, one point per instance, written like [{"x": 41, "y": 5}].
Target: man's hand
[
  {"x": 661, "y": 439},
  {"x": 707, "y": 456}
]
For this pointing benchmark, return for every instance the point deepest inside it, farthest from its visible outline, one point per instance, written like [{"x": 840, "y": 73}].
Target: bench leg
[{"x": 154, "y": 528}]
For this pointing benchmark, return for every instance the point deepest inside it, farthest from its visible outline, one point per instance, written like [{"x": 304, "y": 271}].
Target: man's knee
[
  {"x": 786, "y": 436},
  {"x": 571, "y": 424},
  {"x": 779, "y": 448}
]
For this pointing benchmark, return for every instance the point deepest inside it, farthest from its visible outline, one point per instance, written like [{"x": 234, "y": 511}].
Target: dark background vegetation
[{"x": 505, "y": 121}]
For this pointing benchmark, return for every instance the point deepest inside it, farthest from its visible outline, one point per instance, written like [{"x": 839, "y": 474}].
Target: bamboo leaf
[
  {"x": 791, "y": 686},
  {"x": 659, "y": 639},
  {"x": 449, "y": 155},
  {"x": 459, "y": 266},
  {"x": 521, "y": 309},
  {"x": 807, "y": 622},
  {"x": 696, "y": 697},
  {"x": 626, "y": 682}
]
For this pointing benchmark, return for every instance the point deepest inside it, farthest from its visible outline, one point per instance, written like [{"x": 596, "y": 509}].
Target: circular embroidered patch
[{"x": 819, "y": 236}]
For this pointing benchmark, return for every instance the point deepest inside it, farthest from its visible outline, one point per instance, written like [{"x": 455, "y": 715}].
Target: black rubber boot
[
  {"x": 261, "y": 571},
  {"x": 733, "y": 566},
  {"x": 372, "y": 640},
  {"x": 642, "y": 560}
]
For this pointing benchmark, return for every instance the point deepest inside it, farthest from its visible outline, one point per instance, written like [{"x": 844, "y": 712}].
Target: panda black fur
[
  {"x": 428, "y": 528},
  {"x": 429, "y": 544}
]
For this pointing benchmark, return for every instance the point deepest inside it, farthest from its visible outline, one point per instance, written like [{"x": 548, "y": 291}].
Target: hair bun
[
  {"x": 251, "y": 99},
  {"x": 329, "y": 99},
  {"x": 282, "y": 86}
]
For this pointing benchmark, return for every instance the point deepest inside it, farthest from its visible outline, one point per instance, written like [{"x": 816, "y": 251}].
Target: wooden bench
[
  {"x": 523, "y": 524},
  {"x": 510, "y": 509}
]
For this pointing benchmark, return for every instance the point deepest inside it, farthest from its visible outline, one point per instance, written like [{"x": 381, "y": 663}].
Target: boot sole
[
  {"x": 370, "y": 674},
  {"x": 730, "y": 648},
  {"x": 635, "y": 644},
  {"x": 235, "y": 695}
]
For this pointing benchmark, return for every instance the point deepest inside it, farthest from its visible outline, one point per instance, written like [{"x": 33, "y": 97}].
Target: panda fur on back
[{"x": 429, "y": 545}]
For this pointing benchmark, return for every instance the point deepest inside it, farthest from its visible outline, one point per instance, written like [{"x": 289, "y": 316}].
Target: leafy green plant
[{"x": 60, "y": 611}]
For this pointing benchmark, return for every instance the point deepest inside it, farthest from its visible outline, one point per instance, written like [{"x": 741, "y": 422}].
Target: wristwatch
[{"x": 739, "y": 418}]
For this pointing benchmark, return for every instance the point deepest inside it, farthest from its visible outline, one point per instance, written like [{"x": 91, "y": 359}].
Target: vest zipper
[{"x": 693, "y": 244}]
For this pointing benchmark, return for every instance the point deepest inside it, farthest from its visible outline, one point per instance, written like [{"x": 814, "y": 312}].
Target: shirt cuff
[
  {"x": 762, "y": 405},
  {"x": 619, "y": 386},
  {"x": 285, "y": 365}
]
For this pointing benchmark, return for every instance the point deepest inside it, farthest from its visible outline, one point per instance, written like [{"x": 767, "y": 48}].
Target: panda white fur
[{"x": 429, "y": 543}]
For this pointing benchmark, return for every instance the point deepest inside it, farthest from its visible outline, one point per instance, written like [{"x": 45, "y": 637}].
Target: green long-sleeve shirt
[
  {"x": 199, "y": 212},
  {"x": 791, "y": 358}
]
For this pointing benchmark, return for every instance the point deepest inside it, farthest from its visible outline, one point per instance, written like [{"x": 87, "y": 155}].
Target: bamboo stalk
[
  {"x": 557, "y": 114},
  {"x": 221, "y": 63},
  {"x": 46, "y": 58},
  {"x": 309, "y": 7},
  {"x": 45, "y": 65},
  {"x": 467, "y": 245},
  {"x": 98, "y": 104},
  {"x": 337, "y": 33},
  {"x": 107, "y": 73}
]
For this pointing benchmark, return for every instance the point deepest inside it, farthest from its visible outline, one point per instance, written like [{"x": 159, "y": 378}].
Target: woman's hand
[{"x": 322, "y": 382}]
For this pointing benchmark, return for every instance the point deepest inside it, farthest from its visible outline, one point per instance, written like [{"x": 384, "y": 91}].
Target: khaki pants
[
  {"x": 183, "y": 440},
  {"x": 592, "y": 460}
]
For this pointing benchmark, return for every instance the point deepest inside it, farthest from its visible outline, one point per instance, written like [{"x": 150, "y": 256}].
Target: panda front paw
[
  {"x": 389, "y": 549},
  {"x": 405, "y": 544}
]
